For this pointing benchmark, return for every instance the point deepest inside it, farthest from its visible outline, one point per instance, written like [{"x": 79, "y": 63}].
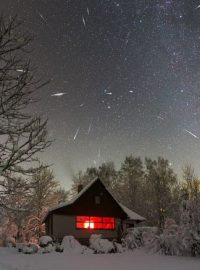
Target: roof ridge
[
  {"x": 75, "y": 197},
  {"x": 130, "y": 214}
]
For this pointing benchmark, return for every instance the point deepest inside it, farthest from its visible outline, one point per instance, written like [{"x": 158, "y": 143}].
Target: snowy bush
[
  {"x": 174, "y": 240},
  {"x": 100, "y": 245},
  {"x": 58, "y": 248},
  {"x": 182, "y": 239},
  {"x": 70, "y": 244},
  {"x": 29, "y": 248},
  {"x": 119, "y": 248},
  {"x": 136, "y": 237},
  {"x": 133, "y": 238},
  {"x": 47, "y": 249},
  {"x": 20, "y": 246},
  {"x": 195, "y": 248},
  {"x": 10, "y": 242},
  {"x": 149, "y": 235},
  {"x": 44, "y": 241},
  {"x": 168, "y": 242},
  {"x": 190, "y": 224}
]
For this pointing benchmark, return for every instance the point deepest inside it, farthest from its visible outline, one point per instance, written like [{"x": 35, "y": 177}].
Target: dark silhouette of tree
[
  {"x": 22, "y": 135},
  {"x": 160, "y": 181},
  {"x": 131, "y": 178}
]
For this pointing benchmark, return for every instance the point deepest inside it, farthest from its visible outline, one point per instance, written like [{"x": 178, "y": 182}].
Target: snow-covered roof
[
  {"x": 75, "y": 197},
  {"x": 131, "y": 215}
]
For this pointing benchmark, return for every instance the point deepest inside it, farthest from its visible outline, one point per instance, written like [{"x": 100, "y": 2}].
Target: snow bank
[
  {"x": 10, "y": 259},
  {"x": 30, "y": 249},
  {"x": 100, "y": 245},
  {"x": 71, "y": 245},
  {"x": 138, "y": 236}
]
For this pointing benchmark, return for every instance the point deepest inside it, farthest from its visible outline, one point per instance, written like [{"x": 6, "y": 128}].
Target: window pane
[
  {"x": 96, "y": 219},
  {"x": 108, "y": 226},
  {"x": 80, "y": 225},
  {"x": 108, "y": 220},
  {"x": 98, "y": 226},
  {"x": 82, "y": 218}
]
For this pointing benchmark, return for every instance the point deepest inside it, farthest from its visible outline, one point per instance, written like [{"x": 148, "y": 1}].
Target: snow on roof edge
[{"x": 131, "y": 214}]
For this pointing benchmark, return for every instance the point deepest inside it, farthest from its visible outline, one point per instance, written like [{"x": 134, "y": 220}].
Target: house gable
[{"x": 94, "y": 201}]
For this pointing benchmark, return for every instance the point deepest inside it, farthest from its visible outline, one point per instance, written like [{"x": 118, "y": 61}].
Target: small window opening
[{"x": 97, "y": 200}]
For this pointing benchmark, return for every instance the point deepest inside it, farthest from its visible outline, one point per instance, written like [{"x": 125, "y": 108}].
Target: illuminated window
[{"x": 95, "y": 223}]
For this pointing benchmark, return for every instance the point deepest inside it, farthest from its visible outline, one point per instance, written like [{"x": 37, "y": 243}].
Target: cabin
[{"x": 92, "y": 211}]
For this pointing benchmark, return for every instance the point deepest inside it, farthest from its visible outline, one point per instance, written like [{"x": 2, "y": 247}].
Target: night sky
[{"x": 129, "y": 71}]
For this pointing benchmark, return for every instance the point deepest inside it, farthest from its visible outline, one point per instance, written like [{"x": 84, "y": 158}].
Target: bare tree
[{"x": 22, "y": 135}]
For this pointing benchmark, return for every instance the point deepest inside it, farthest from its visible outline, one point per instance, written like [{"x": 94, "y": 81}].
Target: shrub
[
  {"x": 100, "y": 245},
  {"x": 48, "y": 249},
  {"x": 29, "y": 248},
  {"x": 59, "y": 248},
  {"x": 137, "y": 237},
  {"x": 70, "y": 244},
  {"x": 175, "y": 240},
  {"x": 44, "y": 241},
  {"x": 10, "y": 242}
]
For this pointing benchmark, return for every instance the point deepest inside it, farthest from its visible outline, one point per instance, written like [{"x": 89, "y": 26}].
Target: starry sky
[{"x": 129, "y": 74}]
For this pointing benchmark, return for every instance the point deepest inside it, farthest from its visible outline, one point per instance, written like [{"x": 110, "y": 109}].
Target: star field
[{"x": 125, "y": 78}]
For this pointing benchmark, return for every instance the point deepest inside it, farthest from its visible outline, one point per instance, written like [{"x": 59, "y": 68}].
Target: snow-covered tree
[
  {"x": 45, "y": 193},
  {"x": 182, "y": 238},
  {"x": 17, "y": 208},
  {"x": 25, "y": 208}
]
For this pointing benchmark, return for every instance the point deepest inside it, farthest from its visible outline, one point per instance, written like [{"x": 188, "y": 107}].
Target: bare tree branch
[{"x": 22, "y": 135}]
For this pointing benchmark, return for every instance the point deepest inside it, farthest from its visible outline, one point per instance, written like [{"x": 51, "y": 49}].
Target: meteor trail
[
  {"x": 192, "y": 134},
  {"x": 76, "y": 134},
  {"x": 58, "y": 94}
]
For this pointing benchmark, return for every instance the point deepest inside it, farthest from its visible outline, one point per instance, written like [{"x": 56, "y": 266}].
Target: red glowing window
[{"x": 95, "y": 223}]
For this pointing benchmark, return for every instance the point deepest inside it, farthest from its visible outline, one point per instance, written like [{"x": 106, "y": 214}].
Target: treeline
[{"x": 150, "y": 188}]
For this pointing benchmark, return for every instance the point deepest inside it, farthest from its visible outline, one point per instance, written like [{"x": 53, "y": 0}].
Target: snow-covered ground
[{"x": 136, "y": 260}]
